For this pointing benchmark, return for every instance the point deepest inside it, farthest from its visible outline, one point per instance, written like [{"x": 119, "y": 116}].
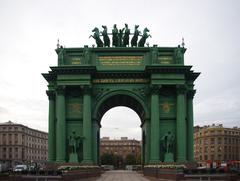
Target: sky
[{"x": 29, "y": 31}]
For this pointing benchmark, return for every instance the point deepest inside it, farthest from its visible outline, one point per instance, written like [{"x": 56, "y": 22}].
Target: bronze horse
[
  {"x": 144, "y": 37},
  {"x": 96, "y": 36}
]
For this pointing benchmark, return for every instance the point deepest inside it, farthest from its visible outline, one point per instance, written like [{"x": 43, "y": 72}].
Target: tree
[
  {"x": 107, "y": 159},
  {"x": 138, "y": 159},
  {"x": 117, "y": 161},
  {"x": 130, "y": 159}
]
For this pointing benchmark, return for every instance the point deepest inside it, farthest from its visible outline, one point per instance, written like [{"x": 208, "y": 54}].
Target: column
[
  {"x": 61, "y": 125},
  {"x": 51, "y": 127},
  {"x": 95, "y": 141},
  {"x": 146, "y": 129},
  {"x": 181, "y": 125},
  {"x": 87, "y": 126},
  {"x": 190, "y": 96},
  {"x": 154, "y": 126}
]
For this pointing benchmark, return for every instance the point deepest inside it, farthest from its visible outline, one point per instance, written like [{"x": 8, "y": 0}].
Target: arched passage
[
  {"x": 121, "y": 98},
  {"x": 121, "y": 121},
  {"x": 115, "y": 99},
  {"x": 120, "y": 137}
]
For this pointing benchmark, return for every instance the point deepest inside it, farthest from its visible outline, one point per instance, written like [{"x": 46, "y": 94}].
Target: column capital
[
  {"x": 87, "y": 89},
  {"x": 181, "y": 89},
  {"x": 50, "y": 94},
  {"x": 191, "y": 93},
  {"x": 61, "y": 89},
  {"x": 154, "y": 89}
]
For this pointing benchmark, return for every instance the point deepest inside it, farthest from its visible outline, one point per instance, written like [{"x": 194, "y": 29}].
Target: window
[
  {"x": 205, "y": 157},
  {"x": 212, "y": 140}
]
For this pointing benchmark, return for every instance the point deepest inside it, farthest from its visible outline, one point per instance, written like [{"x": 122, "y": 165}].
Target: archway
[
  {"x": 120, "y": 138},
  {"x": 118, "y": 99},
  {"x": 152, "y": 81}
]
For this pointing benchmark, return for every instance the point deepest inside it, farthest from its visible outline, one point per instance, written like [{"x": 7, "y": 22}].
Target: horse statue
[
  {"x": 135, "y": 36},
  {"x": 96, "y": 36},
  {"x": 144, "y": 37},
  {"x": 126, "y": 36},
  {"x": 115, "y": 36},
  {"x": 105, "y": 36}
]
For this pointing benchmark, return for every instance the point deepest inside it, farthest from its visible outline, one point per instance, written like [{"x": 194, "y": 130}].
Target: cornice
[
  {"x": 167, "y": 69},
  {"x": 73, "y": 69}
]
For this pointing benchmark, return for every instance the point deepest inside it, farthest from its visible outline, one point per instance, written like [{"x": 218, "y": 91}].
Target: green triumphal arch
[{"x": 88, "y": 81}]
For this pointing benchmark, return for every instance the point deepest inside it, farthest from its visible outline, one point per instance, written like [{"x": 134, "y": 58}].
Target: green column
[
  {"x": 87, "y": 127},
  {"x": 61, "y": 125},
  {"x": 154, "y": 126},
  {"x": 95, "y": 143},
  {"x": 181, "y": 125},
  {"x": 190, "y": 96},
  {"x": 51, "y": 127},
  {"x": 146, "y": 128}
]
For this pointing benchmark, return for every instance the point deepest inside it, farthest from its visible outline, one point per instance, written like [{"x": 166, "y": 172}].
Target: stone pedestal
[
  {"x": 73, "y": 158},
  {"x": 168, "y": 157}
]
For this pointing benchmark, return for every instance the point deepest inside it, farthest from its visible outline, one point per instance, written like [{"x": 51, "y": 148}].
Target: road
[{"x": 122, "y": 175}]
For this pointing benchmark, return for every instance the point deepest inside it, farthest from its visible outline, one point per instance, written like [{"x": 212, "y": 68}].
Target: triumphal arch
[{"x": 152, "y": 80}]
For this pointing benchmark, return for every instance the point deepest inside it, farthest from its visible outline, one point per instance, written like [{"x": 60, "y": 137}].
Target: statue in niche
[
  {"x": 135, "y": 36},
  {"x": 144, "y": 37},
  {"x": 73, "y": 144},
  {"x": 86, "y": 55},
  {"x": 126, "y": 36},
  {"x": 96, "y": 36},
  {"x": 115, "y": 36},
  {"x": 106, "y": 38},
  {"x": 167, "y": 142},
  {"x": 179, "y": 54}
]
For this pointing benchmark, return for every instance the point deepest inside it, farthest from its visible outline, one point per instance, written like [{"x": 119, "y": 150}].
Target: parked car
[{"x": 20, "y": 168}]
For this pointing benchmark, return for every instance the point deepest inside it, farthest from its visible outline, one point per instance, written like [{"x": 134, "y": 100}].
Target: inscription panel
[
  {"x": 120, "y": 60},
  {"x": 74, "y": 60},
  {"x": 117, "y": 81},
  {"x": 165, "y": 59}
]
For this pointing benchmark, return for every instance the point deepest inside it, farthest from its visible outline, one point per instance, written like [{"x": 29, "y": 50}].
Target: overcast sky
[{"x": 29, "y": 31}]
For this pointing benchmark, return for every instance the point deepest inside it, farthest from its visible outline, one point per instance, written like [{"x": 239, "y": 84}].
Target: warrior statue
[
  {"x": 105, "y": 36},
  {"x": 73, "y": 142},
  {"x": 144, "y": 37},
  {"x": 120, "y": 37},
  {"x": 135, "y": 36},
  {"x": 179, "y": 54},
  {"x": 115, "y": 35},
  {"x": 126, "y": 36},
  {"x": 167, "y": 142}
]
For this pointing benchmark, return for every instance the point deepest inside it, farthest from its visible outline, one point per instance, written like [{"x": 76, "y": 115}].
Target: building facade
[
  {"x": 216, "y": 143},
  {"x": 21, "y": 144},
  {"x": 122, "y": 147}
]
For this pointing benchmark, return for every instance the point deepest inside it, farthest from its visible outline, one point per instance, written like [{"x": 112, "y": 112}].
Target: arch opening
[
  {"x": 121, "y": 122},
  {"x": 120, "y": 117},
  {"x": 121, "y": 100}
]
